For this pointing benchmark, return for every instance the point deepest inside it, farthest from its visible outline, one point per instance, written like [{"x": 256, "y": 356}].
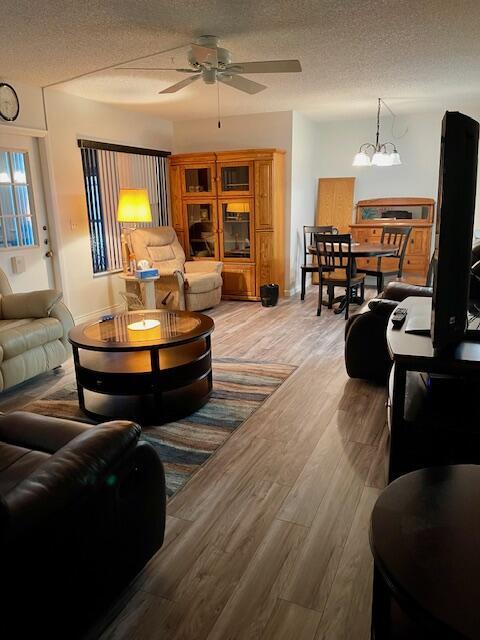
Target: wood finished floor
[{"x": 269, "y": 540}]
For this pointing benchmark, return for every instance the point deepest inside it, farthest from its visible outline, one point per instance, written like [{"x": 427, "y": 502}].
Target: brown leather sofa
[{"x": 82, "y": 509}]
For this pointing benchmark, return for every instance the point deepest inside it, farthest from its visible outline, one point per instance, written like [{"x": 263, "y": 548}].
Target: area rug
[{"x": 239, "y": 388}]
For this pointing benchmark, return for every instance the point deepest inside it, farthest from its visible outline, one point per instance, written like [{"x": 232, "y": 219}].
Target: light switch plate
[{"x": 18, "y": 264}]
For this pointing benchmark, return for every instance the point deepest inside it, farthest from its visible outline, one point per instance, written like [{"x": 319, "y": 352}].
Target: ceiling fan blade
[
  {"x": 266, "y": 66},
  {"x": 242, "y": 84},
  {"x": 180, "y": 85},
  {"x": 205, "y": 54},
  {"x": 157, "y": 69}
]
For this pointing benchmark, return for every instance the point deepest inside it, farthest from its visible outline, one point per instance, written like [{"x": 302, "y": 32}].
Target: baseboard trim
[
  {"x": 94, "y": 315},
  {"x": 289, "y": 293}
]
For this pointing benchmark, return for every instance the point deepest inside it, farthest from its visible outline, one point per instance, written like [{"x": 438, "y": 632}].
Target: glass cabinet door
[
  {"x": 198, "y": 179},
  {"x": 236, "y": 178},
  {"x": 202, "y": 229},
  {"x": 237, "y": 227}
]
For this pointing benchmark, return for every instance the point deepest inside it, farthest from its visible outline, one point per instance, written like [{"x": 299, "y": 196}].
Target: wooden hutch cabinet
[
  {"x": 373, "y": 215},
  {"x": 229, "y": 206}
]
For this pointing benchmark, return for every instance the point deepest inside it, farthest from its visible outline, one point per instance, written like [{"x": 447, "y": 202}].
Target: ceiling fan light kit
[{"x": 380, "y": 156}]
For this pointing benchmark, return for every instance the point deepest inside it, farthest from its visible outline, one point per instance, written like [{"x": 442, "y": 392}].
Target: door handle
[{"x": 49, "y": 254}]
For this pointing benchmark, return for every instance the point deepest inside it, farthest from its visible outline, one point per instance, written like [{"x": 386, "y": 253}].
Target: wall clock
[{"x": 9, "y": 105}]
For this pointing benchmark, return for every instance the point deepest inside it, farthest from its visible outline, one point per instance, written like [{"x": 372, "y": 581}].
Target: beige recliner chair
[
  {"x": 34, "y": 330},
  {"x": 194, "y": 286}
]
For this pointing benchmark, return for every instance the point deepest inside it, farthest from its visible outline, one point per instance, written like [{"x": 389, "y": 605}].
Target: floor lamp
[{"x": 133, "y": 207}]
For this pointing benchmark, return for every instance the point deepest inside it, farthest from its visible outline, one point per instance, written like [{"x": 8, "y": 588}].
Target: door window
[{"x": 17, "y": 214}]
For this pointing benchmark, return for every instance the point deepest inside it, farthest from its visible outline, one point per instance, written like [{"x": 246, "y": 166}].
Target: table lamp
[
  {"x": 133, "y": 207},
  {"x": 238, "y": 207}
]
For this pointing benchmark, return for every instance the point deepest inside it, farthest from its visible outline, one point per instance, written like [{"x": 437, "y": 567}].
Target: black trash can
[{"x": 269, "y": 295}]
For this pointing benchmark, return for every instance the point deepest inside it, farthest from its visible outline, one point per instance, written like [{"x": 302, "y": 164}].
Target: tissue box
[{"x": 146, "y": 273}]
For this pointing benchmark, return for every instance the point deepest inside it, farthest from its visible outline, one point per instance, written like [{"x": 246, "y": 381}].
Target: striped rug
[{"x": 239, "y": 388}]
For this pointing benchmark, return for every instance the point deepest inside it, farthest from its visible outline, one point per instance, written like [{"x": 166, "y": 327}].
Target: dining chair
[
  {"x": 336, "y": 268},
  {"x": 309, "y": 265},
  {"x": 392, "y": 235}
]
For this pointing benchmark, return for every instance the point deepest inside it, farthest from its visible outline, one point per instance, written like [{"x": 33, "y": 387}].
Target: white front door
[{"x": 23, "y": 216}]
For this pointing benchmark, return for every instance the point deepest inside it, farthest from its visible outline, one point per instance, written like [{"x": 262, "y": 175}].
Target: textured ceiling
[{"x": 419, "y": 55}]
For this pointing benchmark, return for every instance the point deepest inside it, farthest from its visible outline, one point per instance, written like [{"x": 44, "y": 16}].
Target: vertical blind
[{"x": 106, "y": 171}]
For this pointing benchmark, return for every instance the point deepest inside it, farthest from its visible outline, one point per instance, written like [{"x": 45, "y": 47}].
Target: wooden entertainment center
[
  {"x": 229, "y": 206},
  {"x": 372, "y": 215}
]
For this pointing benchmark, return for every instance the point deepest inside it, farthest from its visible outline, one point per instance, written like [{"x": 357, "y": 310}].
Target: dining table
[{"x": 359, "y": 250}]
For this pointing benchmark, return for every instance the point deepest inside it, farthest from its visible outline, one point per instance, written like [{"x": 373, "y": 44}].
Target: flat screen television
[{"x": 454, "y": 229}]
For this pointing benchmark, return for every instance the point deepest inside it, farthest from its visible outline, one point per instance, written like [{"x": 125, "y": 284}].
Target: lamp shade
[
  {"x": 238, "y": 207},
  {"x": 395, "y": 158},
  {"x": 133, "y": 206},
  {"x": 361, "y": 159},
  {"x": 381, "y": 159}
]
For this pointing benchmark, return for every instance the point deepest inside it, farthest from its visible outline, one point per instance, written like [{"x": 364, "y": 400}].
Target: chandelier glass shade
[{"x": 376, "y": 154}]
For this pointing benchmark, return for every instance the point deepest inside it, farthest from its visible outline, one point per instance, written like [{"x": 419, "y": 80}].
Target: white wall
[
  {"x": 337, "y": 143},
  {"x": 70, "y": 118},
  {"x": 304, "y": 171},
  {"x": 255, "y": 131}
]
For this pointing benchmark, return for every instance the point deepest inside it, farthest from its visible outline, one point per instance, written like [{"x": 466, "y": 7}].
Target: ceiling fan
[{"x": 214, "y": 64}]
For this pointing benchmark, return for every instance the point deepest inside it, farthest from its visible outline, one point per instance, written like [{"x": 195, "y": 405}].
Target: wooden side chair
[
  {"x": 309, "y": 265},
  {"x": 336, "y": 268},
  {"x": 399, "y": 237}
]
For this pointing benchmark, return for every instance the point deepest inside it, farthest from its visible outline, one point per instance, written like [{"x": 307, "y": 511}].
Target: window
[
  {"x": 106, "y": 170},
  {"x": 17, "y": 217}
]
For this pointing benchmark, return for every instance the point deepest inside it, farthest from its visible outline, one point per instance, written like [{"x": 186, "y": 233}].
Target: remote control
[{"x": 398, "y": 317}]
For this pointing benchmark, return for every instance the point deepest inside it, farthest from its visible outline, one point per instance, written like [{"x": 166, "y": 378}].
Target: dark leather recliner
[
  {"x": 82, "y": 509},
  {"x": 366, "y": 350}
]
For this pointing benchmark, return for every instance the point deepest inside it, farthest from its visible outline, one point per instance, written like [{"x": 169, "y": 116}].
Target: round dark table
[
  {"x": 425, "y": 540},
  {"x": 125, "y": 369},
  {"x": 366, "y": 249}
]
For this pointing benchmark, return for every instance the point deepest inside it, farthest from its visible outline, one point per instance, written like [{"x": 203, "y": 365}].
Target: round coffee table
[
  {"x": 148, "y": 366},
  {"x": 425, "y": 540}
]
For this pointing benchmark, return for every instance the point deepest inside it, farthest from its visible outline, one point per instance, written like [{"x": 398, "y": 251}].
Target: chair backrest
[
  {"x": 397, "y": 236},
  {"x": 160, "y": 246},
  {"x": 308, "y": 236},
  {"x": 334, "y": 251}
]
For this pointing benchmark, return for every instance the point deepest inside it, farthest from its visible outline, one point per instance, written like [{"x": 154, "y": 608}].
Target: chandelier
[{"x": 380, "y": 156}]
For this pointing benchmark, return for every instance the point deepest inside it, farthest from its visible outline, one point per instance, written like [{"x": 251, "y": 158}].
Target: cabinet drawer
[
  {"x": 366, "y": 263},
  {"x": 389, "y": 264},
  {"x": 414, "y": 263},
  {"x": 238, "y": 280},
  {"x": 367, "y": 235},
  {"x": 386, "y": 264}
]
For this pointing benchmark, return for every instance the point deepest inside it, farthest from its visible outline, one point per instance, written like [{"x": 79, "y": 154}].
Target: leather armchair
[
  {"x": 34, "y": 330},
  {"x": 82, "y": 509},
  {"x": 195, "y": 285},
  {"x": 366, "y": 350}
]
